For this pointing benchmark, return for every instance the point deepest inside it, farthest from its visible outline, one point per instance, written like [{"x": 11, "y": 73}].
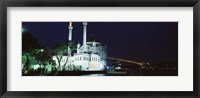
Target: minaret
[
  {"x": 70, "y": 37},
  {"x": 84, "y": 35},
  {"x": 70, "y": 31}
]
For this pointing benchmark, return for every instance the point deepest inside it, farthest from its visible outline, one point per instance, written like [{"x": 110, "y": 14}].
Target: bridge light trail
[{"x": 128, "y": 61}]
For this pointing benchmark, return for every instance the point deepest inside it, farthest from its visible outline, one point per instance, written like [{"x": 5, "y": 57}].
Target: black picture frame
[{"x": 98, "y": 3}]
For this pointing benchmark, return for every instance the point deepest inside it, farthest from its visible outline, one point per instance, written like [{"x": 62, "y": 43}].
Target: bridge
[{"x": 127, "y": 61}]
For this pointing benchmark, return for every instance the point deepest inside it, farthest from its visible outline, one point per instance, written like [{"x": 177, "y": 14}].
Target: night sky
[{"x": 140, "y": 41}]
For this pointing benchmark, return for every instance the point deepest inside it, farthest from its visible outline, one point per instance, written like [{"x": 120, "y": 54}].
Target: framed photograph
[{"x": 74, "y": 48}]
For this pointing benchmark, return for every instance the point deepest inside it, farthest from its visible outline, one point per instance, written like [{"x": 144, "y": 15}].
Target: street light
[{"x": 41, "y": 50}]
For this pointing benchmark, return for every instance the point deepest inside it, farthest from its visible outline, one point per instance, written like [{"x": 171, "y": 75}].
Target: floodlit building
[{"x": 90, "y": 56}]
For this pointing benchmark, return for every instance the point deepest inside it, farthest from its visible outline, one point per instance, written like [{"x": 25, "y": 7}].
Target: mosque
[{"x": 90, "y": 56}]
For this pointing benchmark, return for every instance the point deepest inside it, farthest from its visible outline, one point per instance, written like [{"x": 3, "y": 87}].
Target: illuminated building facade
[{"x": 91, "y": 56}]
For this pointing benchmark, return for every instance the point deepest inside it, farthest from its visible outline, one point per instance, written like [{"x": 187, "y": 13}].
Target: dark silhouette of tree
[
  {"x": 61, "y": 50},
  {"x": 43, "y": 57},
  {"x": 28, "y": 44}
]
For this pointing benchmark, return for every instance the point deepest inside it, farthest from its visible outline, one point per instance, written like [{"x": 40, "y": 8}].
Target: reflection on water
[
  {"x": 136, "y": 73},
  {"x": 117, "y": 73},
  {"x": 94, "y": 75}
]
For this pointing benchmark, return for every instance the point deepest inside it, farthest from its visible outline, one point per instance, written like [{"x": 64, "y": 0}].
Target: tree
[
  {"x": 28, "y": 44},
  {"x": 72, "y": 47},
  {"x": 43, "y": 57},
  {"x": 61, "y": 50}
]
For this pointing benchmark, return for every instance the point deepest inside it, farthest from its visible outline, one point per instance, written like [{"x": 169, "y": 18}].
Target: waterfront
[{"x": 162, "y": 71}]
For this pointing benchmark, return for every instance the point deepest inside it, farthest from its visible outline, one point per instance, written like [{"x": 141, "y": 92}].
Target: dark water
[
  {"x": 137, "y": 73},
  {"x": 127, "y": 72},
  {"x": 123, "y": 73}
]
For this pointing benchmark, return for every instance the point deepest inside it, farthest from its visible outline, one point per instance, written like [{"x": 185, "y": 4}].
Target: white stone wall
[{"x": 86, "y": 61}]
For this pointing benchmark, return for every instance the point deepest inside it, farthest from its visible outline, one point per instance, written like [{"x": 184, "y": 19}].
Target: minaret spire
[
  {"x": 84, "y": 35},
  {"x": 70, "y": 23},
  {"x": 70, "y": 31},
  {"x": 70, "y": 37}
]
